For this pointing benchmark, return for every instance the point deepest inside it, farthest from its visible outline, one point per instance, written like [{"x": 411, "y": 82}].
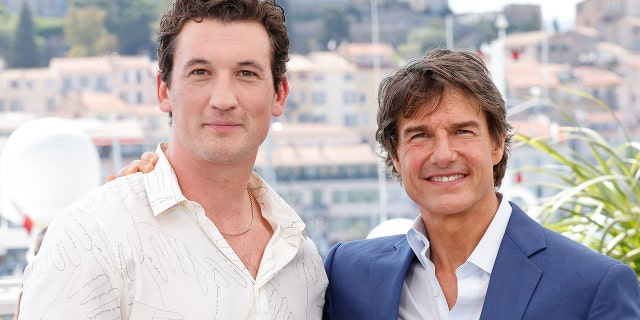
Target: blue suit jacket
[{"x": 538, "y": 274}]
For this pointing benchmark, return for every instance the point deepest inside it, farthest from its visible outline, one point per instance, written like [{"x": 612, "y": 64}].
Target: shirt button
[{"x": 436, "y": 293}]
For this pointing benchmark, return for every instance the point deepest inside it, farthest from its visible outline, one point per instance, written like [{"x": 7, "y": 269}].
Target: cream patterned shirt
[{"x": 136, "y": 248}]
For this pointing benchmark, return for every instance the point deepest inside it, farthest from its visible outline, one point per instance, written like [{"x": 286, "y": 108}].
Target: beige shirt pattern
[{"x": 136, "y": 248}]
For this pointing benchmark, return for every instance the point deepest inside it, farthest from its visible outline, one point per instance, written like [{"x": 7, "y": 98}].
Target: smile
[{"x": 446, "y": 178}]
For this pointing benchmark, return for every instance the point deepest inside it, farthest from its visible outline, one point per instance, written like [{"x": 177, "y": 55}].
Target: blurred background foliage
[{"x": 597, "y": 195}]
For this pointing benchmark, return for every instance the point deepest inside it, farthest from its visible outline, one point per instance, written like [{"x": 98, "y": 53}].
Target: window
[
  {"x": 349, "y": 97},
  {"x": 350, "y": 120},
  {"x": 319, "y": 98},
  {"x": 50, "y": 104},
  {"x": 317, "y": 198},
  {"x": 84, "y": 83},
  {"x": 16, "y": 105},
  {"x": 138, "y": 77},
  {"x": 336, "y": 196},
  {"x": 348, "y": 77},
  {"x": 101, "y": 84},
  {"x": 66, "y": 84},
  {"x": 363, "y": 98}
]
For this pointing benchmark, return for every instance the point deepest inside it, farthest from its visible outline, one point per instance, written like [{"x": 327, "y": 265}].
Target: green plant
[{"x": 597, "y": 202}]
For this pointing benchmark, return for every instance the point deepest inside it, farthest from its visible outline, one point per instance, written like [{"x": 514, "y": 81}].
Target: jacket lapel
[
  {"x": 387, "y": 277},
  {"x": 514, "y": 277}
]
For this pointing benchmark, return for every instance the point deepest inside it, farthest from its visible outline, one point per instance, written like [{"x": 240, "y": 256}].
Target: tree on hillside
[
  {"x": 284, "y": 4},
  {"x": 5, "y": 32},
  {"x": 130, "y": 21},
  {"x": 86, "y": 34},
  {"x": 335, "y": 28},
  {"x": 132, "y": 25},
  {"x": 24, "y": 52},
  {"x": 421, "y": 39},
  {"x": 50, "y": 35}
]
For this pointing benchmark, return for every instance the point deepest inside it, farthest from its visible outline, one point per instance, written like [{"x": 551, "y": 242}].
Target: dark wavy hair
[{"x": 423, "y": 82}]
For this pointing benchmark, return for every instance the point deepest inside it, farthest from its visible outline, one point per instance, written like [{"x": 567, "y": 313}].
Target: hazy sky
[{"x": 562, "y": 10}]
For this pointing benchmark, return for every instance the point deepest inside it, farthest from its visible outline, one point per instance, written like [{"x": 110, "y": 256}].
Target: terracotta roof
[
  {"x": 596, "y": 77},
  {"x": 529, "y": 73}
]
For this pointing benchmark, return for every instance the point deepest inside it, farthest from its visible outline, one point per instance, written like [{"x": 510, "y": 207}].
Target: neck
[
  {"x": 217, "y": 187},
  {"x": 453, "y": 238}
]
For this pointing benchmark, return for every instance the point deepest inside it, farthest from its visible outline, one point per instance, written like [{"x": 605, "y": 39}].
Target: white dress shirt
[
  {"x": 423, "y": 298},
  {"x": 136, "y": 248}
]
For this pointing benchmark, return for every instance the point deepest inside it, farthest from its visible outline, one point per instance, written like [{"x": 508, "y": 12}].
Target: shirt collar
[
  {"x": 417, "y": 238},
  {"x": 164, "y": 192},
  {"x": 485, "y": 253},
  {"x": 162, "y": 185},
  {"x": 274, "y": 208}
]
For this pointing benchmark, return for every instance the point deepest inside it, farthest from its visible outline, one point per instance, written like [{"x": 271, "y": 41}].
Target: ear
[
  {"x": 162, "y": 94},
  {"x": 498, "y": 150},
  {"x": 281, "y": 97},
  {"x": 397, "y": 165}
]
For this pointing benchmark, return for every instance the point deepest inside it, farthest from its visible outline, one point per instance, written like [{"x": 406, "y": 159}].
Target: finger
[
  {"x": 128, "y": 169},
  {"x": 134, "y": 166},
  {"x": 150, "y": 157},
  {"x": 110, "y": 177}
]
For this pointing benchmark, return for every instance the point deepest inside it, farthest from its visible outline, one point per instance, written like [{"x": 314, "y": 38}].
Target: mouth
[{"x": 446, "y": 178}]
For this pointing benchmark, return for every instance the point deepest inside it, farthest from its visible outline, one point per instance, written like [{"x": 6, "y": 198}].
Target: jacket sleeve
[
  {"x": 618, "y": 296},
  {"x": 328, "y": 261}
]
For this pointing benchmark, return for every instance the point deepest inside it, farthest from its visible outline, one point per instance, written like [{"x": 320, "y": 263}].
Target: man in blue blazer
[{"x": 470, "y": 255}]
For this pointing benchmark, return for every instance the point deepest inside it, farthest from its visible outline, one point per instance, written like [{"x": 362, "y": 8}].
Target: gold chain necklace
[{"x": 252, "y": 219}]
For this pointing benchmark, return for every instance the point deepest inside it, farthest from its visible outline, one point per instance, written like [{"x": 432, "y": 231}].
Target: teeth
[{"x": 447, "y": 179}]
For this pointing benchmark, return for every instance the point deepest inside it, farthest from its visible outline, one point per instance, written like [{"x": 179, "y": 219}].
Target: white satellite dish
[{"x": 46, "y": 163}]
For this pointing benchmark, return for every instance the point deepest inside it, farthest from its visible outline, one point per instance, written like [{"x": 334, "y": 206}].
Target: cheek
[{"x": 411, "y": 159}]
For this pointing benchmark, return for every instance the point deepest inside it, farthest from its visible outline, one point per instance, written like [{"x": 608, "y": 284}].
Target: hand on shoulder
[{"x": 145, "y": 164}]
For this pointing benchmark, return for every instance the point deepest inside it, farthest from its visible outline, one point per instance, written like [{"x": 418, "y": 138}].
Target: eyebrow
[
  {"x": 466, "y": 124},
  {"x": 454, "y": 126},
  {"x": 196, "y": 61},
  {"x": 201, "y": 61},
  {"x": 251, "y": 63}
]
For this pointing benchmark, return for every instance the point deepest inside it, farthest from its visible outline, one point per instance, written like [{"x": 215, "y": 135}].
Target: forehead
[
  {"x": 210, "y": 37},
  {"x": 452, "y": 105}
]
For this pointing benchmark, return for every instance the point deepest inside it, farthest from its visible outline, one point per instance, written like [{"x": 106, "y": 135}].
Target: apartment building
[
  {"x": 339, "y": 87},
  {"x": 615, "y": 20},
  {"x": 131, "y": 78},
  {"x": 323, "y": 89},
  {"x": 18, "y": 85}
]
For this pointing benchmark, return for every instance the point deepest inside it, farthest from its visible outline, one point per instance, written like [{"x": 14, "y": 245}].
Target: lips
[
  {"x": 222, "y": 124},
  {"x": 446, "y": 178}
]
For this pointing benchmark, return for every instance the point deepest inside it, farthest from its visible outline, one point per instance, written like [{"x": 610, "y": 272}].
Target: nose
[
  {"x": 443, "y": 154},
  {"x": 223, "y": 95}
]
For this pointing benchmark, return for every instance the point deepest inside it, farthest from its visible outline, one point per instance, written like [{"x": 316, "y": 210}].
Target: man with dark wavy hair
[
  {"x": 470, "y": 254},
  {"x": 202, "y": 236}
]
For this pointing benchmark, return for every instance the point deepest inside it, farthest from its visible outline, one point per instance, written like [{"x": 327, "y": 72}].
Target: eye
[
  {"x": 418, "y": 136},
  {"x": 247, "y": 73},
  {"x": 199, "y": 72}
]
